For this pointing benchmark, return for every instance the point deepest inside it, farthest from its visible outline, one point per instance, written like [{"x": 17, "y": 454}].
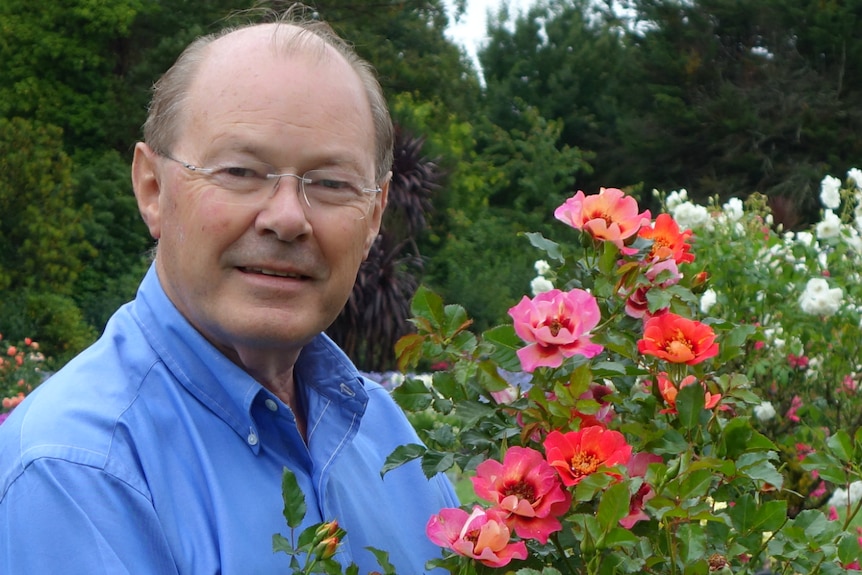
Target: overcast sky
[{"x": 469, "y": 31}]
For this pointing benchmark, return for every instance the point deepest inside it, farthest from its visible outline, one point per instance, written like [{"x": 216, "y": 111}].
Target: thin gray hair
[{"x": 170, "y": 92}]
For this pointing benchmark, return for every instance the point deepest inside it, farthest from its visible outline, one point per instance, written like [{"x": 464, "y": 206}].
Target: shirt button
[
  {"x": 271, "y": 404},
  {"x": 252, "y": 437}
]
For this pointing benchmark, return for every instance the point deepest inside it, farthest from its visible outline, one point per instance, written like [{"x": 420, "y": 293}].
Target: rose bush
[
  {"x": 21, "y": 370},
  {"x": 639, "y": 441}
]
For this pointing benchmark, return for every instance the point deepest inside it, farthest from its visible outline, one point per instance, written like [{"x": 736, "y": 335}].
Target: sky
[{"x": 469, "y": 31}]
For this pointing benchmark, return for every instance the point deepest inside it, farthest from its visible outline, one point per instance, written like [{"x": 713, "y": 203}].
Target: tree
[
  {"x": 743, "y": 97},
  {"x": 43, "y": 238}
]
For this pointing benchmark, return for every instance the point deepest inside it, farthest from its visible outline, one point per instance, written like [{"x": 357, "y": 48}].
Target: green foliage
[
  {"x": 57, "y": 62},
  {"x": 507, "y": 187},
  {"x": 120, "y": 240},
  {"x": 51, "y": 319},
  {"x": 313, "y": 549},
  {"x": 714, "y": 494},
  {"x": 38, "y": 219}
]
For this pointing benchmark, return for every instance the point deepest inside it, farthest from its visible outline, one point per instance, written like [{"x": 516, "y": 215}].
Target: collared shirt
[{"x": 152, "y": 453}]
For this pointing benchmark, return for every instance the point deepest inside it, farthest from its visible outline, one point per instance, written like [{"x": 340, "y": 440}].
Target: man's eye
[
  {"x": 240, "y": 172},
  {"x": 333, "y": 184}
]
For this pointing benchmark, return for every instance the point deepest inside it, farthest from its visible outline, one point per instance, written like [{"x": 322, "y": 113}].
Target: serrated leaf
[
  {"x": 549, "y": 247},
  {"x": 690, "y": 403},
  {"x": 408, "y": 351},
  {"x": 841, "y": 445},
  {"x": 434, "y": 462},
  {"x": 294, "y": 499},
  {"x": 427, "y": 304},
  {"x": 696, "y": 484},
  {"x": 613, "y": 505},
  {"x": 383, "y": 560},
  {"x": 692, "y": 542},
  {"x": 412, "y": 395},
  {"x": 506, "y": 345},
  {"x": 281, "y": 544},
  {"x": 401, "y": 455},
  {"x": 456, "y": 320}
]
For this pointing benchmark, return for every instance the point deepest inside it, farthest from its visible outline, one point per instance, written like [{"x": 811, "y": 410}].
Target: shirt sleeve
[{"x": 62, "y": 517}]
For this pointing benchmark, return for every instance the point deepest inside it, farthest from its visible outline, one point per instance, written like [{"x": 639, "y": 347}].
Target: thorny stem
[{"x": 563, "y": 556}]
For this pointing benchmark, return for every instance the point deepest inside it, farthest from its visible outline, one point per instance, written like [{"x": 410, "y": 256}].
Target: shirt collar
[{"x": 322, "y": 368}]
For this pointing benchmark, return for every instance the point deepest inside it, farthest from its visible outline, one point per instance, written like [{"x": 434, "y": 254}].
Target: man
[{"x": 160, "y": 449}]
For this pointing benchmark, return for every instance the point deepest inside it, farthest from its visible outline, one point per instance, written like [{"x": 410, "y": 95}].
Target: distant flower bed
[{"x": 21, "y": 370}]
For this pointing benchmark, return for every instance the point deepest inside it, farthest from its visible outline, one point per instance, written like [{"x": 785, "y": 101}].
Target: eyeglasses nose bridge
[{"x": 300, "y": 185}]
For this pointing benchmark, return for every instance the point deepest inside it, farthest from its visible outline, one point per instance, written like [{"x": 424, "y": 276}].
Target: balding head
[{"x": 169, "y": 107}]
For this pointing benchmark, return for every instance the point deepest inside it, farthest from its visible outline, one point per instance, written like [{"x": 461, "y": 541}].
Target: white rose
[
  {"x": 819, "y": 299},
  {"x": 542, "y": 267},
  {"x": 830, "y": 192},
  {"x": 829, "y": 227},
  {"x": 855, "y": 174},
  {"x": 765, "y": 411},
  {"x": 690, "y": 216},
  {"x": 733, "y": 209},
  {"x": 846, "y": 497},
  {"x": 707, "y": 300},
  {"x": 676, "y": 198},
  {"x": 540, "y": 284},
  {"x": 804, "y": 238}
]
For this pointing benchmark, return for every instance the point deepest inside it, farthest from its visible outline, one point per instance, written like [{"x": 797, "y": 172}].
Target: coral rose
[
  {"x": 556, "y": 324},
  {"x": 609, "y": 216},
  {"x": 481, "y": 535},
  {"x": 577, "y": 454},
  {"x": 677, "y": 339},
  {"x": 527, "y": 488}
]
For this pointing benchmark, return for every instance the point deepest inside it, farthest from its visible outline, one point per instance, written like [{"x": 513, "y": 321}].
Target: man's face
[{"x": 260, "y": 280}]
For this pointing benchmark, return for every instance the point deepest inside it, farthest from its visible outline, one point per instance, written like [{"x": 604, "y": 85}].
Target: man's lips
[{"x": 275, "y": 273}]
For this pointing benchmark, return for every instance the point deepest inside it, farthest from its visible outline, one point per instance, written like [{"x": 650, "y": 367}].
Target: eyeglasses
[{"x": 249, "y": 183}]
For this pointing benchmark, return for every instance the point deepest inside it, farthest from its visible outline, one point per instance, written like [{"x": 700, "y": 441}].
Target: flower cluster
[
  {"x": 637, "y": 442},
  {"x": 21, "y": 370}
]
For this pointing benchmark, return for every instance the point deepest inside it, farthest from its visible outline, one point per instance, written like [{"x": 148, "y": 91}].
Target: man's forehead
[{"x": 277, "y": 39}]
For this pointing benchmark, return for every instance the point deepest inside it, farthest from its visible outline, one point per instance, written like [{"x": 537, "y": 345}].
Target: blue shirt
[{"x": 151, "y": 452}]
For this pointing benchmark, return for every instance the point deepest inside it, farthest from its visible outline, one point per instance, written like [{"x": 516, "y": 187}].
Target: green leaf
[
  {"x": 383, "y": 560},
  {"x": 412, "y": 395},
  {"x": 738, "y": 436},
  {"x": 841, "y": 445},
  {"x": 489, "y": 378},
  {"x": 549, "y": 247},
  {"x": 696, "y": 484},
  {"x": 733, "y": 341},
  {"x": 280, "y": 543},
  {"x": 427, "y": 304},
  {"x": 613, "y": 506},
  {"x": 829, "y": 468},
  {"x": 434, "y": 462},
  {"x": 690, "y": 403},
  {"x": 456, "y": 320},
  {"x": 401, "y": 455},
  {"x": 408, "y": 350},
  {"x": 608, "y": 259},
  {"x": 692, "y": 542},
  {"x": 748, "y": 517},
  {"x": 294, "y": 499},
  {"x": 758, "y": 466},
  {"x": 470, "y": 412},
  {"x": 506, "y": 345}
]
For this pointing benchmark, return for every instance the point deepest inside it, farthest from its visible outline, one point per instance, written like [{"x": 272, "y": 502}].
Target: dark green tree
[
  {"x": 739, "y": 97},
  {"x": 43, "y": 239}
]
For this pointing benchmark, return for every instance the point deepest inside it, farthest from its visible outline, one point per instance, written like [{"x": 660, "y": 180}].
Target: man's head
[{"x": 261, "y": 264}]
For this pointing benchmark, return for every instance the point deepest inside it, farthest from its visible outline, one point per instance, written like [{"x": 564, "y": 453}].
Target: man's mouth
[{"x": 275, "y": 273}]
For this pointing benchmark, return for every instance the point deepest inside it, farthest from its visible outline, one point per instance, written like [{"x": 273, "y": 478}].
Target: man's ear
[
  {"x": 375, "y": 218},
  {"x": 147, "y": 185}
]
